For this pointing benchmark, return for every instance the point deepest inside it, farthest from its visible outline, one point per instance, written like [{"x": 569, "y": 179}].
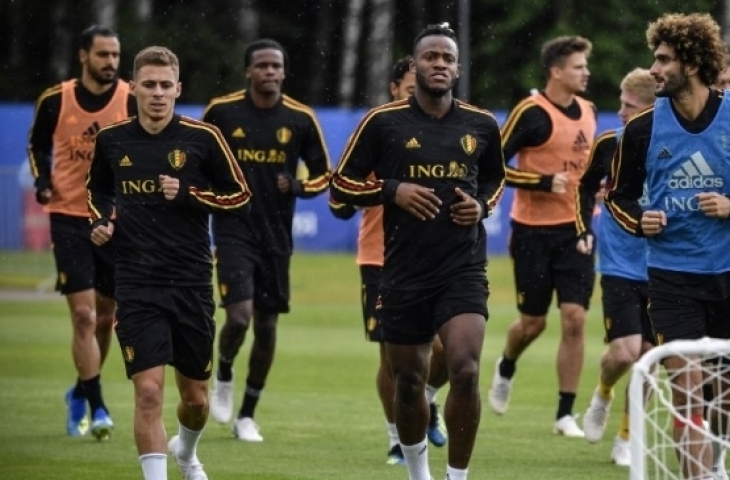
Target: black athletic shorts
[
  {"x": 545, "y": 260},
  {"x": 413, "y": 317},
  {"x": 625, "y": 308},
  {"x": 166, "y": 326},
  {"x": 675, "y": 316},
  {"x": 245, "y": 273},
  {"x": 80, "y": 265},
  {"x": 370, "y": 276}
]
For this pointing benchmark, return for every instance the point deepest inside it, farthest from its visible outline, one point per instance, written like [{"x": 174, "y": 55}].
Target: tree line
[{"x": 340, "y": 51}]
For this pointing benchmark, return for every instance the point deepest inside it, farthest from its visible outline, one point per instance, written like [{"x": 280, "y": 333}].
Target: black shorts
[
  {"x": 625, "y": 308},
  {"x": 413, "y": 317},
  {"x": 370, "y": 276},
  {"x": 80, "y": 265},
  {"x": 245, "y": 273},
  {"x": 166, "y": 326},
  {"x": 680, "y": 317},
  {"x": 545, "y": 260}
]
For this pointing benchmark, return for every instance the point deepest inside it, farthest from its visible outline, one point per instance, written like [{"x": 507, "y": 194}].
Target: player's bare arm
[
  {"x": 417, "y": 200},
  {"x": 467, "y": 211}
]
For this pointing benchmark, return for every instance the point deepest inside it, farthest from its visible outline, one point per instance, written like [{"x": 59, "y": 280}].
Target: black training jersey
[
  {"x": 598, "y": 169},
  {"x": 47, "y": 113},
  {"x": 159, "y": 241},
  {"x": 399, "y": 142},
  {"x": 268, "y": 143}
]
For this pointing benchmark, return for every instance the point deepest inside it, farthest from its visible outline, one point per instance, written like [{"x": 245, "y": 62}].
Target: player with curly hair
[{"x": 680, "y": 149}]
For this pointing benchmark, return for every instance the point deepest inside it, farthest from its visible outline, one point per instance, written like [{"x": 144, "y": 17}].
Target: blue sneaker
[
  {"x": 395, "y": 456},
  {"x": 77, "y": 423},
  {"x": 436, "y": 428},
  {"x": 101, "y": 425}
]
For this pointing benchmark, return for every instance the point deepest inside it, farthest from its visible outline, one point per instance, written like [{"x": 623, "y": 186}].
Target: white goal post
[{"x": 651, "y": 412}]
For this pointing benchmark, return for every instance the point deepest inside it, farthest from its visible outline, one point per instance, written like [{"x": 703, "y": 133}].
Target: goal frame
[{"x": 641, "y": 370}]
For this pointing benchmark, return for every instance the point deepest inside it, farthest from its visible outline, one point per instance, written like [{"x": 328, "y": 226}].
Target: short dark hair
[
  {"x": 435, "y": 29},
  {"x": 86, "y": 40},
  {"x": 264, "y": 44},
  {"x": 556, "y": 51},
  {"x": 400, "y": 69}
]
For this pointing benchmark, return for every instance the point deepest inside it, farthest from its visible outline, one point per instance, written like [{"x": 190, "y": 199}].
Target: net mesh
[{"x": 697, "y": 452}]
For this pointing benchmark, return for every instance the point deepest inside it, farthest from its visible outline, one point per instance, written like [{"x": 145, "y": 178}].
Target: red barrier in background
[{"x": 36, "y": 225}]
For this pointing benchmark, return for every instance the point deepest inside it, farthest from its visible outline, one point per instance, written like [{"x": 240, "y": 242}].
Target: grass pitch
[{"x": 319, "y": 413}]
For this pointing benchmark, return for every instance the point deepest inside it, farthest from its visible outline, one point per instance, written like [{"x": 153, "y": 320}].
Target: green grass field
[{"x": 319, "y": 413}]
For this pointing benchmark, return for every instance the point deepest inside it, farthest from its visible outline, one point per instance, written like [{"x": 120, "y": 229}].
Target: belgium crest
[
  {"x": 176, "y": 158},
  {"x": 283, "y": 135},
  {"x": 469, "y": 144}
]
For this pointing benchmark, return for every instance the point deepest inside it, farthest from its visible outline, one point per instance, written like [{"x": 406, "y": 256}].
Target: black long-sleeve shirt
[
  {"x": 399, "y": 142},
  {"x": 160, "y": 241},
  {"x": 268, "y": 142},
  {"x": 599, "y": 168},
  {"x": 48, "y": 110},
  {"x": 628, "y": 172}
]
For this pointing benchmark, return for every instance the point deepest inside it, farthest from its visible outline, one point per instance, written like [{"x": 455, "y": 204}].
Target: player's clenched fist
[
  {"x": 102, "y": 233},
  {"x": 653, "y": 221},
  {"x": 169, "y": 186}
]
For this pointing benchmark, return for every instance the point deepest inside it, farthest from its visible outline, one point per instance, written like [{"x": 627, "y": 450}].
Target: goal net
[{"x": 655, "y": 455}]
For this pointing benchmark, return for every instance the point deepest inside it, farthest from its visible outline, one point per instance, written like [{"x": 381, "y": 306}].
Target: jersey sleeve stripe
[
  {"x": 316, "y": 184},
  {"x": 231, "y": 97},
  {"x": 624, "y": 219},
  {"x": 521, "y": 177},
  {"x": 300, "y": 107},
  {"x": 238, "y": 199},
  {"x": 363, "y": 122},
  {"x": 512, "y": 120}
]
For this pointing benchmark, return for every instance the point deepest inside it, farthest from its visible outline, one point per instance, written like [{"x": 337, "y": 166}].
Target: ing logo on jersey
[
  {"x": 283, "y": 135},
  {"x": 176, "y": 158},
  {"x": 469, "y": 144}
]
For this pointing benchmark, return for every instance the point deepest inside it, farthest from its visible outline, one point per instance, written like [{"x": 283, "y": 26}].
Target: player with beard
[
  {"x": 269, "y": 133},
  {"x": 436, "y": 165},
  {"x": 551, "y": 134},
  {"x": 370, "y": 257},
  {"x": 680, "y": 149},
  {"x": 67, "y": 119}
]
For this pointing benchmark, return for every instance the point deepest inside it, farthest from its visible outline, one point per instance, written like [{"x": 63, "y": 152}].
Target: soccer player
[
  {"x": 436, "y": 165},
  {"x": 551, "y": 133},
  {"x": 370, "y": 257},
  {"x": 622, "y": 264},
  {"x": 164, "y": 174},
  {"x": 679, "y": 149},
  {"x": 67, "y": 119},
  {"x": 269, "y": 133}
]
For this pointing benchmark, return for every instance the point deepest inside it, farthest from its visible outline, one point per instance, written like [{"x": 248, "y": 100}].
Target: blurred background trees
[{"x": 340, "y": 51}]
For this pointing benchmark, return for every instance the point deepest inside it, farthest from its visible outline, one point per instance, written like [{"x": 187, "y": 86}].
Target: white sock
[
  {"x": 393, "y": 438},
  {"x": 187, "y": 444},
  {"x": 154, "y": 466},
  {"x": 431, "y": 393},
  {"x": 455, "y": 474},
  {"x": 416, "y": 457}
]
